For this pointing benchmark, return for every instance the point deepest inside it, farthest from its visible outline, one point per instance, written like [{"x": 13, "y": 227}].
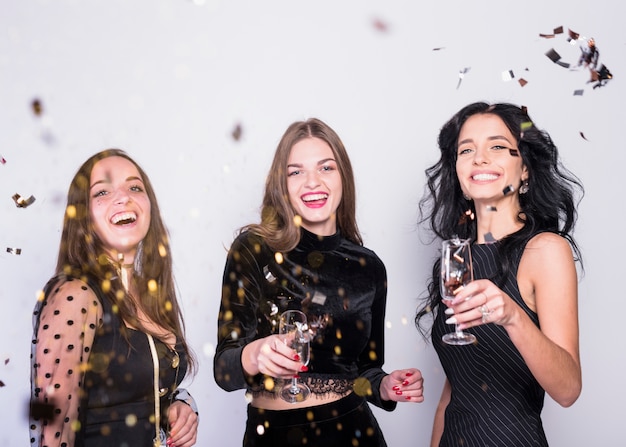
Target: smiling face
[
  {"x": 488, "y": 159},
  {"x": 314, "y": 185},
  {"x": 119, "y": 206}
]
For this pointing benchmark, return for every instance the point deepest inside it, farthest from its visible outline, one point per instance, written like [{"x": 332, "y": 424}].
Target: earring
[
  {"x": 466, "y": 197},
  {"x": 523, "y": 189}
]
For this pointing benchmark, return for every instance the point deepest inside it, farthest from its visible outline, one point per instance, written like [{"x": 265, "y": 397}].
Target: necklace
[{"x": 160, "y": 439}]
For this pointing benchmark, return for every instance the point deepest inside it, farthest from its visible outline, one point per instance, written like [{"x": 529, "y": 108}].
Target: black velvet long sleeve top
[{"x": 341, "y": 286}]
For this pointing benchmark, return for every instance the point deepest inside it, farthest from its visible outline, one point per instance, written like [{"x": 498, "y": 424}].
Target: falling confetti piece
[
  {"x": 556, "y": 58},
  {"x": 237, "y": 132},
  {"x": 583, "y": 136},
  {"x": 507, "y": 75},
  {"x": 601, "y": 77},
  {"x": 558, "y": 30},
  {"x": 14, "y": 251},
  {"x": 462, "y": 75},
  {"x": 2, "y": 160},
  {"x": 439, "y": 48},
  {"x": 37, "y": 107},
  {"x": 508, "y": 190},
  {"x": 380, "y": 25},
  {"x": 572, "y": 36},
  {"x": 20, "y": 202},
  {"x": 522, "y": 82},
  {"x": 579, "y": 92}
]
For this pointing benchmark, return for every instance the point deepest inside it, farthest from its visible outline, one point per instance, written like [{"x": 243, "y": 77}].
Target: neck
[{"x": 494, "y": 222}]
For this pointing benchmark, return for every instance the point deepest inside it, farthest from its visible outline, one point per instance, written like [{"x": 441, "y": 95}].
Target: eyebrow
[
  {"x": 321, "y": 162},
  {"x": 491, "y": 138},
  {"x": 132, "y": 178}
]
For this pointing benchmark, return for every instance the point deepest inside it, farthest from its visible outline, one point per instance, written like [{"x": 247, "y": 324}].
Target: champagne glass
[
  {"x": 295, "y": 333},
  {"x": 456, "y": 273}
]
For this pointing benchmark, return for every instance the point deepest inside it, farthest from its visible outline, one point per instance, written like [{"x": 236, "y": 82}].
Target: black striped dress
[{"x": 495, "y": 399}]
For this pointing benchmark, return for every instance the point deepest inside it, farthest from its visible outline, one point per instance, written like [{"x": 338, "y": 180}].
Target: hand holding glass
[
  {"x": 294, "y": 331},
  {"x": 456, "y": 272}
]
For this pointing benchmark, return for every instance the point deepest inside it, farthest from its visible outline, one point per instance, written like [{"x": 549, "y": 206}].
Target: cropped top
[{"x": 339, "y": 285}]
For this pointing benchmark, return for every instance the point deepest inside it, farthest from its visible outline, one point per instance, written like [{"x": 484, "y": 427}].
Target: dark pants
[{"x": 344, "y": 423}]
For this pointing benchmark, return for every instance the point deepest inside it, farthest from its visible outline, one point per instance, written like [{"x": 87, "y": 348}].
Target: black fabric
[
  {"x": 347, "y": 422},
  {"x": 117, "y": 398},
  {"x": 495, "y": 399},
  {"x": 342, "y": 288}
]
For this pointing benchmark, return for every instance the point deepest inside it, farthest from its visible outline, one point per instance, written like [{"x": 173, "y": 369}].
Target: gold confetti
[
  {"x": 70, "y": 212},
  {"x": 14, "y": 251},
  {"x": 21, "y": 202}
]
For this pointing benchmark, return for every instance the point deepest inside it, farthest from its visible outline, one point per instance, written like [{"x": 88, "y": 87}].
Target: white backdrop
[{"x": 168, "y": 81}]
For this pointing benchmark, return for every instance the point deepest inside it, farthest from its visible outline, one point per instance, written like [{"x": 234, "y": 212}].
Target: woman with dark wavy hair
[
  {"x": 500, "y": 183},
  {"x": 109, "y": 347},
  {"x": 307, "y": 254}
]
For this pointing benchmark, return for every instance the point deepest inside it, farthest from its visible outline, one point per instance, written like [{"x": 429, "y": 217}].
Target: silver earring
[
  {"x": 523, "y": 189},
  {"x": 466, "y": 197}
]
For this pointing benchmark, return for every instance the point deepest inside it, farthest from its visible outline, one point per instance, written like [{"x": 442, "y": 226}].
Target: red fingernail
[
  {"x": 396, "y": 388},
  {"x": 409, "y": 374},
  {"x": 399, "y": 393},
  {"x": 405, "y": 383},
  {"x": 408, "y": 398},
  {"x": 304, "y": 368},
  {"x": 296, "y": 357}
]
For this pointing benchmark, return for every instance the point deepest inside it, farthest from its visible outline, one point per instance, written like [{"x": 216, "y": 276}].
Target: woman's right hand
[{"x": 272, "y": 357}]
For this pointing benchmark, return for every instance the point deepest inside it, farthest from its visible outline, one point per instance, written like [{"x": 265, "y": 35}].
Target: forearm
[
  {"x": 557, "y": 370},
  {"x": 438, "y": 422}
]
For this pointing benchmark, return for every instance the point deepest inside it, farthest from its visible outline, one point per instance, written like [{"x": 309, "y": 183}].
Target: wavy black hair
[{"x": 549, "y": 204}]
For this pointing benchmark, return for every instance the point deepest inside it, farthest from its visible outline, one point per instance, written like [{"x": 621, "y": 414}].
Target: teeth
[
  {"x": 123, "y": 218},
  {"x": 481, "y": 177},
  {"x": 312, "y": 197}
]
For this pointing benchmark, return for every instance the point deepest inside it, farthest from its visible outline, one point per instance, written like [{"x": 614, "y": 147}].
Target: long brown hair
[
  {"x": 277, "y": 225},
  {"x": 83, "y": 255}
]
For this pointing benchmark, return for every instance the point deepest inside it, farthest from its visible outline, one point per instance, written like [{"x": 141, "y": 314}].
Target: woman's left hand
[
  {"x": 481, "y": 302},
  {"x": 403, "y": 385},
  {"x": 183, "y": 425}
]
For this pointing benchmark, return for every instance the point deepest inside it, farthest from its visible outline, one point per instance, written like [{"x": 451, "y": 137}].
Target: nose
[
  {"x": 121, "y": 196},
  {"x": 312, "y": 179},
  {"x": 480, "y": 156}
]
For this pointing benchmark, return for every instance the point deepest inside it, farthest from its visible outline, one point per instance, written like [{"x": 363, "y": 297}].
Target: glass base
[
  {"x": 295, "y": 393},
  {"x": 458, "y": 338}
]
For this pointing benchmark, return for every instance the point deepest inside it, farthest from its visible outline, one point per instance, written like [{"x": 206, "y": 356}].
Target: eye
[
  {"x": 465, "y": 150},
  {"x": 499, "y": 147},
  {"x": 292, "y": 173},
  {"x": 327, "y": 168},
  {"x": 100, "y": 193},
  {"x": 136, "y": 188}
]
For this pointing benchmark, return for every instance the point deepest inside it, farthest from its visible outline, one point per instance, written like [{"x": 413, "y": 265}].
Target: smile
[
  {"x": 124, "y": 218},
  {"x": 484, "y": 177},
  {"x": 314, "y": 197}
]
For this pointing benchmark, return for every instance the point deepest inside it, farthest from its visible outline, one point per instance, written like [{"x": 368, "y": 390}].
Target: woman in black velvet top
[
  {"x": 500, "y": 183},
  {"x": 307, "y": 254}
]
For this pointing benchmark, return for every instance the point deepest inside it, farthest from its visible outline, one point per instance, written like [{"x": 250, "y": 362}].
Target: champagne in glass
[
  {"x": 456, "y": 272},
  {"x": 295, "y": 332}
]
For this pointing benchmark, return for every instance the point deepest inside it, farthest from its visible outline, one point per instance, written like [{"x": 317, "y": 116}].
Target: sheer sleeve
[{"x": 65, "y": 322}]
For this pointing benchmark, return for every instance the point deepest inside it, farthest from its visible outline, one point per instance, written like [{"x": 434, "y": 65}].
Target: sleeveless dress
[
  {"x": 116, "y": 391},
  {"x": 495, "y": 399}
]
